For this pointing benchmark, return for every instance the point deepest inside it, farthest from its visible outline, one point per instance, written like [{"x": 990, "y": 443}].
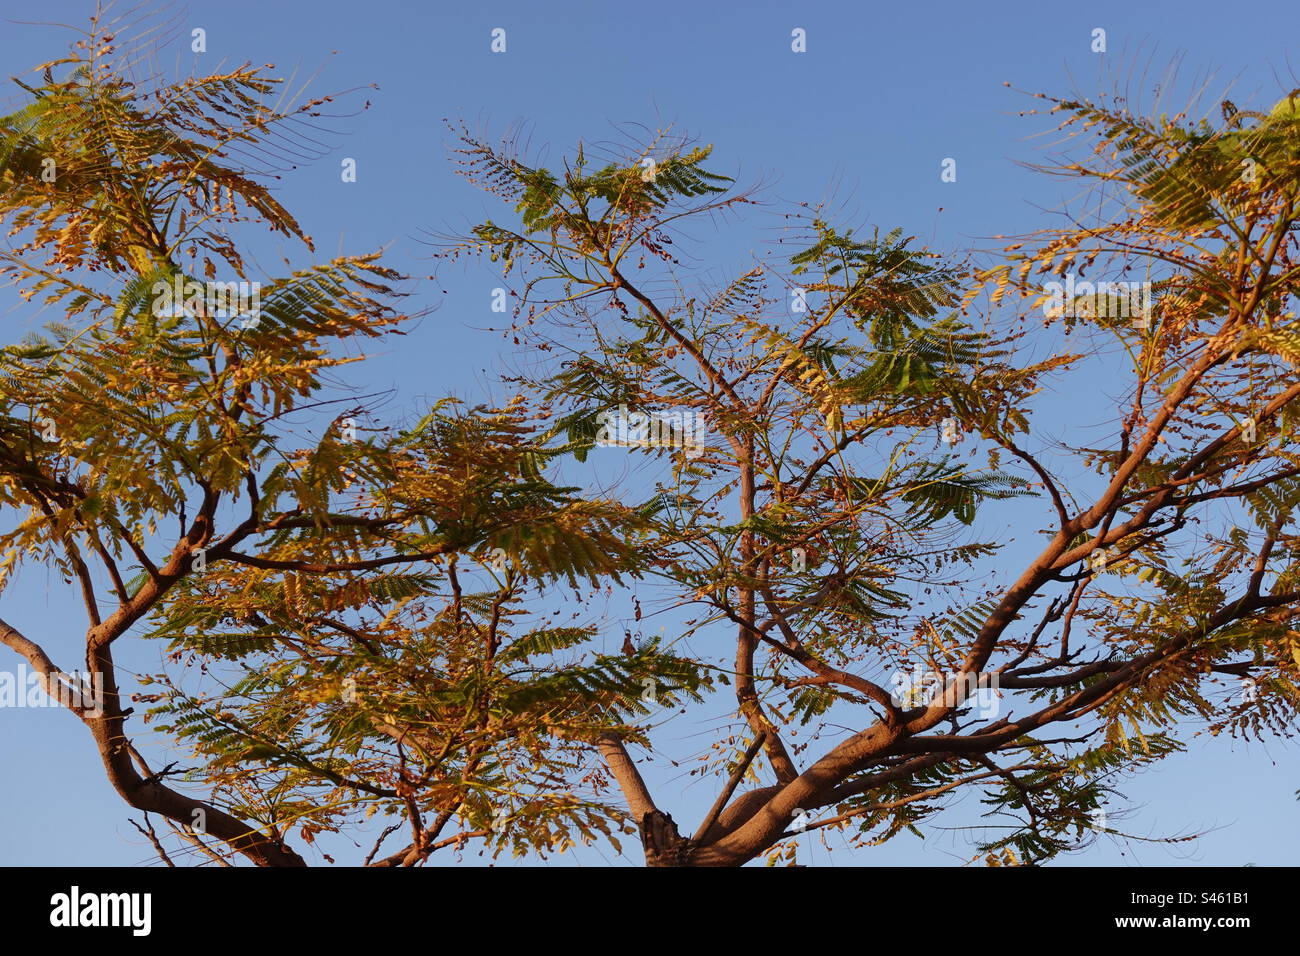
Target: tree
[
  {"x": 817, "y": 524},
  {"x": 399, "y": 624},
  {"x": 346, "y": 618}
]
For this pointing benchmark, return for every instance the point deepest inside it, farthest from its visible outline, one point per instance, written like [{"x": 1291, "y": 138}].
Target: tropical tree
[
  {"x": 819, "y": 525},
  {"x": 346, "y": 618},
  {"x": 368, "y": 630}
]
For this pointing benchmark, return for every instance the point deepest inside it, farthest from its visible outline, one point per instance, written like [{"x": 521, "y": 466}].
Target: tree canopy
[{"x": 394, "y": 630}]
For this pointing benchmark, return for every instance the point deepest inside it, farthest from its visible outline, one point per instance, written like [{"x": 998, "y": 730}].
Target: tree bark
[{"x": 663, "y": 843}]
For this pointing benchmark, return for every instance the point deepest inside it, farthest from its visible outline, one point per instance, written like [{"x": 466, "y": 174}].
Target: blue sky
[{"x": 882, "y": 95}]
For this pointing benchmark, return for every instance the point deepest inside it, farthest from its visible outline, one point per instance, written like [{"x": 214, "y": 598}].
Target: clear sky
[{"x": 884, "y": 92}]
